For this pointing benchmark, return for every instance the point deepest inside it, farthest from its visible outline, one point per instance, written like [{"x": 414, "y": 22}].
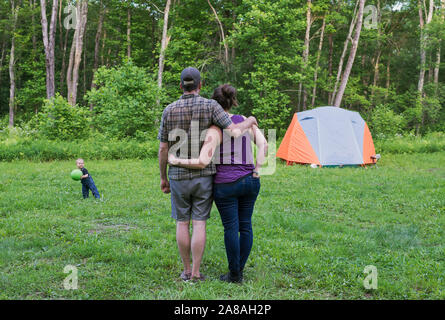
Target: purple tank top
[{"x": 235, "y": 156}]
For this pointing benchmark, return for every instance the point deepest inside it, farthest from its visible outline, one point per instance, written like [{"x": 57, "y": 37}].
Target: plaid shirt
[{"x": 193, "y": 114}]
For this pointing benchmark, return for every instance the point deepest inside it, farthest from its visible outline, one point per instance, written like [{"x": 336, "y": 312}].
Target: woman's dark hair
[{"x": 225, "y": 95}]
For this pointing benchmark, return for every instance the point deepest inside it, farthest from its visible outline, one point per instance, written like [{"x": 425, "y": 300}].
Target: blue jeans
[
  {"x": 235, "y": 202},
  {"x": 87, "y": 185}
]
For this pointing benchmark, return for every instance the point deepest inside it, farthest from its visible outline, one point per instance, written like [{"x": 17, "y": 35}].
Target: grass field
[{"x": 315, "y": 230}]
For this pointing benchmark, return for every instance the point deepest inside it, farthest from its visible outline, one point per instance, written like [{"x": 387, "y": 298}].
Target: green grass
[{"x": 315, "y": 230}]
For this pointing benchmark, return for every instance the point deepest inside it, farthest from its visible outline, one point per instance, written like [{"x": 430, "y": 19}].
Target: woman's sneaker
[{"x": 232, "y": 278}]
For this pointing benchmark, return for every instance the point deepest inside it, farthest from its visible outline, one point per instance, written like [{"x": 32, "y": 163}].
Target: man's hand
[
  {"x": 165, "y": 186},
  {"x": 252, "y": 121},
  {"x": 236, "y": 130}
]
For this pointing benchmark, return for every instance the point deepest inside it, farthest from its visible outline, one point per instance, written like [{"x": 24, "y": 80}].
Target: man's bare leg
[
  {"x": 183, "y": 241},
  {"x": 198, "y": 245}
]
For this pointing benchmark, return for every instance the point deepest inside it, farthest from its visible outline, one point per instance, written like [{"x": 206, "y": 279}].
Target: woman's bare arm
[{"x": 261, "y": 143}]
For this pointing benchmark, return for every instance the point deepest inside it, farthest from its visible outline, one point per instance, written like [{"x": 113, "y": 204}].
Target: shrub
[
  {"x": 432, "y": 142},
  {"x": 61, "y": 121},
  {"x": 4, "y": 121},
  {"x": 384, "y": 122},
  {"x": 48, "y": 150},
  {"x": 125, "y": 101}
]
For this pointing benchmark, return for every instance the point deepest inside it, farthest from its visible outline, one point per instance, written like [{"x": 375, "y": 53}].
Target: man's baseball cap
[{"x": 190, "y": 78}]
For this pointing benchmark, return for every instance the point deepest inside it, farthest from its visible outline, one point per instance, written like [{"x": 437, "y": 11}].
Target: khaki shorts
[{"x": 191, "y": 198}]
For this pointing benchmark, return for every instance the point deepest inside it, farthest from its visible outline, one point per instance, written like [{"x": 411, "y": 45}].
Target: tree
[
  {"x": 129, "y": 31},
  {"x": 49, "y": 44},
  {"x": 102, "y": 12},
  {"x": 320, "y": 46},
  {"x": 347, "y": 72},
  {"x": 437, "y": 65},
  {"x": 223, "y": 39},
  {"x": 423, "y": 42},
  {"x": 76, "y": 51},
  {"x": 12, "y": 61},
  {"x": 343, "y": 54},
  {"x": 164, "y": 44},
  {"x": 305, "y": 52},
  {"x": 2, "y": 57}
]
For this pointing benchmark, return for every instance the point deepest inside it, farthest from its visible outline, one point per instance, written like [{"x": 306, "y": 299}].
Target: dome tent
[{"x": 327, "y": 136}]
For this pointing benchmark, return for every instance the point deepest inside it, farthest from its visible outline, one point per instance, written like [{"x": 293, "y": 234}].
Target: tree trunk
[
  {"x": 12, "y": 67},
  {"x": 376, "y": 72},
  {"x": 379, "y": 52},
  {"x": 62, "y": 71},
  {"x": 437, "y": 65},
  {"x": 345, "y": 48},
  {"x": 320, "y": 47},
  {"x": 423, "y": 43},
  {"x": 108, "y": 57},
  {"x": 69, "y": 71},
  {"x": 84, "y": 71},
  {"x": 129, "y": 32},
  {"x": 164, "y": 43},
  {"x": 364, "y": 78},
  {"x": 388, "y": 76},
  {"x": 223, "y": 39},
  {"x": 103, "y": 47},
  {"x": 48, "y": 42},
  {"x": 234, "y": 22},
  {"x": 331, "y": 51},
  {"x": 60, "y": 26},
  {"x": 34, "y": 39},
  {"x": 345, "y": 77},
  {"x": 96, "y": 46},
  {"x": 2, "y": 58},
  {"x": 76, "y": 52},
  {"x": 306, "y": 48},
  {"x": 102, "y": 14},
  {"x": 430, "y": 67}
]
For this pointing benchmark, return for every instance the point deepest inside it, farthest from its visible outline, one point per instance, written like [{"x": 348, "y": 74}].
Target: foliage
[
  {"x": 265, "y": 45},
  {"x": 385, "y": 122},
  {"x": 61, "y": 121},
  {"x": 125, "y": 101},
  {"x": 269, "y": 60}
]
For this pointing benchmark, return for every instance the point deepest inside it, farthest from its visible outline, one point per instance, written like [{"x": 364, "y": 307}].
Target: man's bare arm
[
  {"x": 163, "y": 158},
  {"x": 238, "y": 129}
]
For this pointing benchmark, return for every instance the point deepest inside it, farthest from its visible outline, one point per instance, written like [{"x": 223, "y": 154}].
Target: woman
[{"x": 236, "y": 182}]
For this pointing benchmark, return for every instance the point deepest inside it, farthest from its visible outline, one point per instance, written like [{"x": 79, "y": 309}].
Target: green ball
[{"x": 76, "y": 174}]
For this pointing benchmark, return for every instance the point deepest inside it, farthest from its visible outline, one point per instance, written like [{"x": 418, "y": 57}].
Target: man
[{"x": 191, "y": 189}]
